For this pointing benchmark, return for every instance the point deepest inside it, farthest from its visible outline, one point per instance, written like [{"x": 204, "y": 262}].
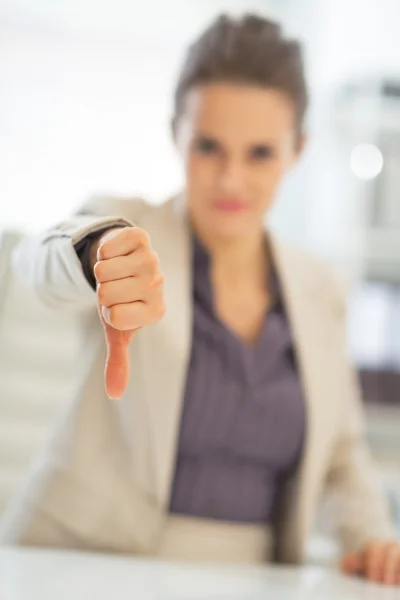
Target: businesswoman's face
[{"x": 237, "y": 143}]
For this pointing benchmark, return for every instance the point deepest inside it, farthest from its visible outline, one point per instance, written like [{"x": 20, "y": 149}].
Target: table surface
[{"x": 27, "y": 574}]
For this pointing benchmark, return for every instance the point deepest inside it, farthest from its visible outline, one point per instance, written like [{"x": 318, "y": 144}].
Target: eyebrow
[{"x": 209, "y": 136}]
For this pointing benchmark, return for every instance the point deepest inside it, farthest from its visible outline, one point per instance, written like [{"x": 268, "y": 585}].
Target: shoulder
[{"x": 327, "y": 281}]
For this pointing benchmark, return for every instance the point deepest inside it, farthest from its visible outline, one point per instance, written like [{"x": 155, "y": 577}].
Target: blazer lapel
[
  {"x": 164, "y": 349},
  {"x": 310, "y": 323}
]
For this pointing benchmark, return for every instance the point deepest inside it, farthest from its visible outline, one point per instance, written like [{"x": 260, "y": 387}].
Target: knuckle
[
  {"x": 158, "y": 311},
  {"x": 152, "y": 264},
  {"x": 156, "y": 281},
  {"x": 141, "y": 236},
  {"x": 162, "y": 309},
  {"x": 154, "y": 261},
  {"x": 130, "y": 233}
]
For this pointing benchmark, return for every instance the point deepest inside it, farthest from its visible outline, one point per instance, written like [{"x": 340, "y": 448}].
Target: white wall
[
  {"x": 82, "y": 116},
  {"x": 85, "y": 101},
  {"x": 357, "y": 36},
  {"x": 355, "y": 39}
]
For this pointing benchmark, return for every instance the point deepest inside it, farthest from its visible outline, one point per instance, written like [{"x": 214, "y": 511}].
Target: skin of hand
[
  {"x": 130, "y": 293},
  {"x": 378, "y": 561}
]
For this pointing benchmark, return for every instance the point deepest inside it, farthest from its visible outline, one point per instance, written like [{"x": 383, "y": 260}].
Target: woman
[{"x": 241, "y": 407}]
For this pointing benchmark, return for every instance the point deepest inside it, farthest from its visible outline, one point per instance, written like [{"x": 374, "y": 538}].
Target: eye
[
  {"x": 261, "y": 152},
  {"x": 204, "y": 145}
]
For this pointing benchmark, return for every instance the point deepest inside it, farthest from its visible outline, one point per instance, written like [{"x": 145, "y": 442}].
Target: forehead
[{"x": 243, "y": 112}]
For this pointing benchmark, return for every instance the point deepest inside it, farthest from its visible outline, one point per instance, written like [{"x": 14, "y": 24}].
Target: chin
[{"x": 229, "y": 230}]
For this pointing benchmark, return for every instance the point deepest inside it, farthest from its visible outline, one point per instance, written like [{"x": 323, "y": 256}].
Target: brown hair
[{"x": 246, "y": 50}]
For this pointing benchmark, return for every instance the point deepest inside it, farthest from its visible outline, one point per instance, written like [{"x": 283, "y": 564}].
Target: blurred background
[{"x": 85, "y": 104}]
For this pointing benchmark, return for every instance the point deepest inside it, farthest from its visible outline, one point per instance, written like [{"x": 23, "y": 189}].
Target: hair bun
[{"x": 257, "y": 25}]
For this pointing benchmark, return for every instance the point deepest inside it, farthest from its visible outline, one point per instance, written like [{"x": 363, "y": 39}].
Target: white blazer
[{"x": 104, "y": 481}]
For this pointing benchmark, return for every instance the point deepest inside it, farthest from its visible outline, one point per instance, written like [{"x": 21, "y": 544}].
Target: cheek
[
  {"x": 268, "y": 176},
  {"x": 265, "y": 183},
  {"x": 200, "y": 172}
]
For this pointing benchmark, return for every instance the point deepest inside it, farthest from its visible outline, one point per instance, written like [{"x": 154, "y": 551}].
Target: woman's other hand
[{"x": 378, "y": 561}]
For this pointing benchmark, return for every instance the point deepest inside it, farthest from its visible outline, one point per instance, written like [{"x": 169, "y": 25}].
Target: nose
[{"x": 231, "y": 176}]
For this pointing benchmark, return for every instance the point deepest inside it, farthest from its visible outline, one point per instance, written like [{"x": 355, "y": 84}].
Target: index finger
[{"x": 122, "y": 243}]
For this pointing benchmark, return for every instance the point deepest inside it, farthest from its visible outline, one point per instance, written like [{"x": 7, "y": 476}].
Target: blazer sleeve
[
  {"x": 354, "y": 500},
  {"x": 48, "y": 264}
]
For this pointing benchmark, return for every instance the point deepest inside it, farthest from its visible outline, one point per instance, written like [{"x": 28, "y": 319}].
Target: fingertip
[
  {"x": 105, "y": 311},
  {"x": 101, "y": 253},
  {"x": 116, "y": 380},
  {"x": 116, "y": 370}
]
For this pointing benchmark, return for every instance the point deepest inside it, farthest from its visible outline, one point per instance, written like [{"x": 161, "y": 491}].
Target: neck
[{"x": 239, "y": 257}]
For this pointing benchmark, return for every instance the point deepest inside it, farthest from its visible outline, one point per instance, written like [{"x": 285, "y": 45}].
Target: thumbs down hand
[{"x": 130, "y": 296}]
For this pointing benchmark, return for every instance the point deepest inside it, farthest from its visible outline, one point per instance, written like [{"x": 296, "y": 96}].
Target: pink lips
[{"x": 229, "y": 205}]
